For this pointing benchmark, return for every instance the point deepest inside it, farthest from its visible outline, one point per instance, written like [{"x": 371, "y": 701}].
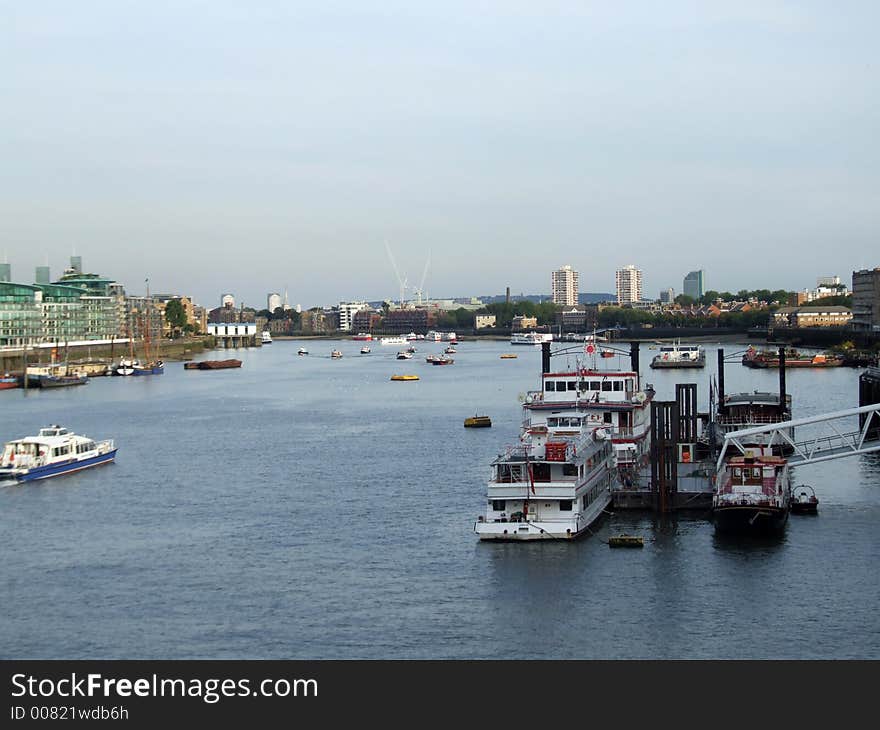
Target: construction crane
[
  {"x": 401, "y": 281},
  {"x": 421, "y": 288}
]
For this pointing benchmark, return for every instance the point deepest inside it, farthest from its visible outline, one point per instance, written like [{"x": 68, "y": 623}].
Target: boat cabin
[{"x": 754, "y": 475}]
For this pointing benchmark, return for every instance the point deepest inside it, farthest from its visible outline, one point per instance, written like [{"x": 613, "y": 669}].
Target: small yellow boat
[
  {"x": 508, "y": 356},
  {"x": 404, "y": 377},
  {"x": 478, "y": 422},
  {"x": 624, "y": 540}
]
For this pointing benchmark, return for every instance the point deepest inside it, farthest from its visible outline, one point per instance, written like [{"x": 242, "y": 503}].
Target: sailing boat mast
[{"x": 147, "y": 326}]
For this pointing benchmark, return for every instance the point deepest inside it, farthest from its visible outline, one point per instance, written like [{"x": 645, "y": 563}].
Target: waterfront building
[
  {"x": 234, "y": 334},
  {"x": 274, "y": 301},
  {"x": 629, "y": 285},
  {"x": 829, "y": 316},
  {"x": 76, "y": 308},
  {"x": 578, "y": 318},
  {"x": 564, "y": 286},
  {"x": 693, "y": 285},
  {"x": 366, "y": 320},
  {"x": 866, "y": 299},
  {"x": 402, "y": 321},
  {"x": 667, "y": 296},
  {"x": 521, "y": 322},
  {"x": 484, "y": 321},
  {"x": 347, "y": 310}
]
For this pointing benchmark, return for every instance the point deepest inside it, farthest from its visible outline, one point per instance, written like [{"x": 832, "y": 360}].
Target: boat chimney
[
  {"x": 782, "y": 379},
  {"x": 634, "y": 357},
  {"x": 720, "y": 379},
  {"x": 545, "y": 357}
]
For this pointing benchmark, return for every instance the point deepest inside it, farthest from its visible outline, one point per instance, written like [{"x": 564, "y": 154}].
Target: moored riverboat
[
  {"x": 753, "y": 494},
  {"x": 679, "y": 356},
  {"x": 761, "y": 359},
  {"x": 804, "y": 500}
]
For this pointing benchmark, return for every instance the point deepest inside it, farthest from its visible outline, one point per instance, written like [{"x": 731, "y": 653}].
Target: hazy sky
[{"x": 246, "y": 147}]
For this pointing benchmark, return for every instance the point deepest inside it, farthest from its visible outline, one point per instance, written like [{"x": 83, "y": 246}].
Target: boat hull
[
  {"x": 800, "y": 508},
  {"x": 750, "y": 519},
  {"x": 669, "y": 365},
  {"x": 8, "y": 384},
  {"x": 55, "y": 470},
  {"x": 61, "y": 381},
  {"x": 538, "y": 530},
  {"x": 154, "y": 370}
]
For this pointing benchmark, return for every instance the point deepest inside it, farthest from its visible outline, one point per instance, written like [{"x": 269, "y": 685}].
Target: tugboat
[
  {"x": 54, "y": 451},
  {"x": 804, "y": 500},
  {"x": 753, "y": 494},
  {"x": 478, "y": 422}
]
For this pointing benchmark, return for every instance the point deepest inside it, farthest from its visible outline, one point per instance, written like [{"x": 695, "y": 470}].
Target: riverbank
[{"x": 168, "y": 350}]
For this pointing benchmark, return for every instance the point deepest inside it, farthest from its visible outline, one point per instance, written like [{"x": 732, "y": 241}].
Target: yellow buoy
[{"x": 404, "y": 377}]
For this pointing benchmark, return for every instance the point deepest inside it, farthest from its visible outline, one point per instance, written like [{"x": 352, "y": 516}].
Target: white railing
[{"x": 831, "y": 442}]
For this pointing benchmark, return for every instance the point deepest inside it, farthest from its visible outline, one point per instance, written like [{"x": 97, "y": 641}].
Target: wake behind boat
[{"x": 54, "y": 451}]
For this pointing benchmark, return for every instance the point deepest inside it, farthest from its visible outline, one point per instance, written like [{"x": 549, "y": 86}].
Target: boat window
[
  {"x": 498, "y": 505},
  {"x": 618, "y": 385},
  {"x": 606, "y": 385},
  {"x": 606, "y": 417},
  {"x": 565, "y": 505},
  {"x": 737, "y": 473},
  {"x": 552, "y": 422},
  {"x": 550, "y": 385},
  {"x": 569, "y": 470},
  {"x": 560, "y": 385},
  {"x": 572, "y": 385},
  {"x": 595, "y": 385},
  {"x": 756, "y": 472}
]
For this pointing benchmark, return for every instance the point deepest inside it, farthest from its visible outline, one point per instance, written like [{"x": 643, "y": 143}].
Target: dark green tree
[{"x": 175, "y": 315}]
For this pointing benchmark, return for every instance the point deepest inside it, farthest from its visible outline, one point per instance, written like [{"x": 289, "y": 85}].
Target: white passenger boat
[
  {"x": 679, "y": 356},
  {"x": 53, "y": 452},
  {"x": 392, "y": 341},
  {"x": 365, "y": 350},
  {"x": 266, "y": 337},
  {"x": 530, "y": 338},
  {"x": 404, "y": 355},
  {"x": 336, "y": 354},
  {"x": 553, "y": 484}
]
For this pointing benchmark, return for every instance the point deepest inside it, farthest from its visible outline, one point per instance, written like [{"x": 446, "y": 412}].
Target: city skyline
[{"x": 204, "y": 151}]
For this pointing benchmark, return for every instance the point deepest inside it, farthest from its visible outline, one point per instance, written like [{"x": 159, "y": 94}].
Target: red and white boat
[
  {"x": 366, "y": 336},
  {"x": 753, "y": 494}
]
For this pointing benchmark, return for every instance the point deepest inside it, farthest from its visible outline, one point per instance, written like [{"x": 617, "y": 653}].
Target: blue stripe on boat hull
[{"x": 54, "y": 470}]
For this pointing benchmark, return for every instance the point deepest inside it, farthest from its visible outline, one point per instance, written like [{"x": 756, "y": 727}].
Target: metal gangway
[{"x": 831, "y": 436}]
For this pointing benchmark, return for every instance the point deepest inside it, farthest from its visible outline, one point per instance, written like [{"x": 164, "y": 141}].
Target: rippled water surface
[{"x": 303, "y": 507}]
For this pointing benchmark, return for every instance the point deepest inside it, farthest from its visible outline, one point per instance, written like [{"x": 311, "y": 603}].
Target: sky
[{"x": 217, "y": 146}]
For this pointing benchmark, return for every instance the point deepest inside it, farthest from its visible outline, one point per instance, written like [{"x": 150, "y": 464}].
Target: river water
[{"x": 305, "y": 507}]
